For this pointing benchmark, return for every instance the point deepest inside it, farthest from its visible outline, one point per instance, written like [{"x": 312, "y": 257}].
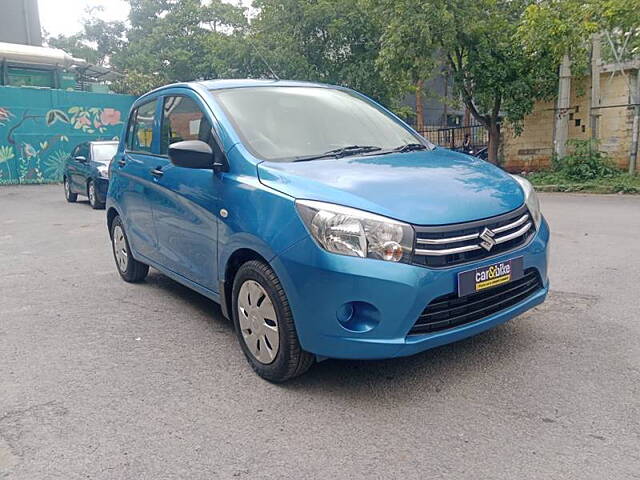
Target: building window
[{"x": 29, "y": 77}]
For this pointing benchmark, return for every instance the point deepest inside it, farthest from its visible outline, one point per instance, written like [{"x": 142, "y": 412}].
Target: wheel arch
[
  {"x": 112, "y": 213},
  {"x": 231, "y": 267}
]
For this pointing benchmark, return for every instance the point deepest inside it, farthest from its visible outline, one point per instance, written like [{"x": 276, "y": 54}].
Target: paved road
[{"x": 103, "y": 380}]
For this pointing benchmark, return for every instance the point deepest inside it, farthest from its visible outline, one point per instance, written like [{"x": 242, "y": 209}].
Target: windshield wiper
[
  {"x": 408, "y": 147},
  {"x": 341, "y": 152}
]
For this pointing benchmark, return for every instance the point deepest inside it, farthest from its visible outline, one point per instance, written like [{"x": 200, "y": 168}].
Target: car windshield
[
  {"x": 291, "y": 123},
  {"x": 104, "y": 152}
]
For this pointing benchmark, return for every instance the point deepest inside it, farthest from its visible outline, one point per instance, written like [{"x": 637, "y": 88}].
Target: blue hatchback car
[{"x": 323, "y": 225}]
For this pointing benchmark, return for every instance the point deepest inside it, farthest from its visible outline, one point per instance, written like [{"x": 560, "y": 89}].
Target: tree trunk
[
  {"x": 494, "y": 141},
  {"x": 419, "y": 106}
]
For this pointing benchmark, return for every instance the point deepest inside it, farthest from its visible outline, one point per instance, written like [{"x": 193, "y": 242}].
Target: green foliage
[
  {"x": 557, "y": 182},
  {"x": 97, "y": 42},
  {"x": 585, "y": 169},
  {"x": 559, "y": 27},
  {"x": 332, "y": 41},
  {"x": 584, "y": 162},
  {"x": 474, "y": 41},
  {"x": 171, "y": 41}
]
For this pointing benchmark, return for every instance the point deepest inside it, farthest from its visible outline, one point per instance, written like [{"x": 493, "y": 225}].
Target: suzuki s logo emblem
[{"x": 487, "y": 239}]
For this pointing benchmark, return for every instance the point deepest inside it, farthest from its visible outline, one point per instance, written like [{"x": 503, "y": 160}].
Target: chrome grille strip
[
  {"x": 515, "y": 234},
  {"x": 447, "y": 251},
  {"x": 515, "y": 224},
  {"x": 463, "y": 238},
  {"x": 469, "y": 248},
  {"x": 440, "y": 241}
]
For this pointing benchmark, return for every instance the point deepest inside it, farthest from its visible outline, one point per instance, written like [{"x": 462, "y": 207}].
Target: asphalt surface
[{"x": 105, "y": 380}]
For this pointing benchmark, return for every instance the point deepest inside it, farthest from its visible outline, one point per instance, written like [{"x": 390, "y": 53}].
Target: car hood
[{"x": 433, "y": 187}]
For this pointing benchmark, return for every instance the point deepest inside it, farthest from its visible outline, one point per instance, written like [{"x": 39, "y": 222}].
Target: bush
[{"x": 584, "y": 162}]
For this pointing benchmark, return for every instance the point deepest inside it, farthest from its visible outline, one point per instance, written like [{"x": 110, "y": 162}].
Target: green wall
[{"x": 40, "y": 127}]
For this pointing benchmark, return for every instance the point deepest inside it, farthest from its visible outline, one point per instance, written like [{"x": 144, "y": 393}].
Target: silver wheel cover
[
  {"x": 258, "y": 322},
  {"x": 67, "y": 189},
  {"x": 120, "y": 248},
  {"x": 92, "y": 193}
]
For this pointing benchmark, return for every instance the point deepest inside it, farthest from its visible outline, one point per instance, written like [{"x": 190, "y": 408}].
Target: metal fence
[{"x": 454, "y": 137}]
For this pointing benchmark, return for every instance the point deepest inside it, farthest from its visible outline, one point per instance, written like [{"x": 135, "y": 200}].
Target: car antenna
[{"x": 263, "y": 59}]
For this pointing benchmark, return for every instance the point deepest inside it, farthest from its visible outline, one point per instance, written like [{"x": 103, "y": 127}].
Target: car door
[
  {"x": 84, "y": 167},
  {"x": 133, "y": 167},
  {"x": 185, "y": 201},
  {"x": 71, "y": 168},
  {"x": 79, "y": 166}
]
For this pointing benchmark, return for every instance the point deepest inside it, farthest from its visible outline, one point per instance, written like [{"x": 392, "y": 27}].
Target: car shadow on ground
[{"x": 437, "y": 369}]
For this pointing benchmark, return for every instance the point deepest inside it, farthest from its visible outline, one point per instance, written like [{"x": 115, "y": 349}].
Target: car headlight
[
  {"x": 348, "y": 231},
  {"x": 103, "y": 170},
  {"x": 530, "y": 199}
]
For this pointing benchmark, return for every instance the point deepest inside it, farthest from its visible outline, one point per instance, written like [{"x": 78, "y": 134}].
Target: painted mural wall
[{"x": 40, "y": 127}]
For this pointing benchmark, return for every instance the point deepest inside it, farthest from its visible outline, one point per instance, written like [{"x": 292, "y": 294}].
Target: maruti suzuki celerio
[{"x": 323, "y": 225}]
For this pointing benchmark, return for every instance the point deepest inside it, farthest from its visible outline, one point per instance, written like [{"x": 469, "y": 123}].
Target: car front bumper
[{"x": 318, "y": 284}]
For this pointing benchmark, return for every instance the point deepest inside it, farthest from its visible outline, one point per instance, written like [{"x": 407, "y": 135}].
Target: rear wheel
[
  {"x": 128, "y": 267},
  {"x": 93, "y": 196},
  {"x": 264, "y": 324},
  {"x": 71, "y": 197}
]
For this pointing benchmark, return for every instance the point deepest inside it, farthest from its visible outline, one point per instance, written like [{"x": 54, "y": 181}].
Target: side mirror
[
  {"x": 197, "y": 154},
  {"x": 191, "y": 154},
  {"x": 81, "y": 159}
]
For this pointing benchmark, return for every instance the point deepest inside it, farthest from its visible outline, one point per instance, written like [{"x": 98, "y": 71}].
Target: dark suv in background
[{"x": 86, "y": 172}]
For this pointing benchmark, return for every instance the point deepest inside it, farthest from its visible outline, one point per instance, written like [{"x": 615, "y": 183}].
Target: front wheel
[
  {"x": 71, "y": 197},
  {"x": 264, "y": 324},
  {"x": 128, "y": 267},
  {"x": 93, "y": 196}
]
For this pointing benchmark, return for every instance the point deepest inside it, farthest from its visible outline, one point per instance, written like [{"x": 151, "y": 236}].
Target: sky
[{"x": 65, "y": 16}]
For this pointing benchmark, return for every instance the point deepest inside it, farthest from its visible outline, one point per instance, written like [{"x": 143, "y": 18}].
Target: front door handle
[{"x": 157, "y": 172}]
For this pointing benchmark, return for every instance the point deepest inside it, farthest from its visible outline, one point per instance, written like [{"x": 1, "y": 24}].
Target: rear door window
[{"x": 140, "y": 131}]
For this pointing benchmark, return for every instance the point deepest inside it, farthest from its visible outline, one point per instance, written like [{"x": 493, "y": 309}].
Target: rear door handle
[
  {"x": 121, "y": 162},
  {"x": 157, "y": 172}
]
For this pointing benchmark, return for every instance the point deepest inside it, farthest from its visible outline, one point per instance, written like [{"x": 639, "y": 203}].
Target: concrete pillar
[
  {"x": 561, "y": 126},
  {"x": 596, "y": 62},
  {"x": 635, "y": 130}
]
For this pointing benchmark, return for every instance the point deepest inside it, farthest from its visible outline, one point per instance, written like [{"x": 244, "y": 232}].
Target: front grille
[
  {"x": 450, "y": 310},
  {"x": 448, "y": 245}
]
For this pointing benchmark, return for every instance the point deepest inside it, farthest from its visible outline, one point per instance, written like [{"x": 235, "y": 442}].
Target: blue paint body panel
[{"x": 175, "y": 223}]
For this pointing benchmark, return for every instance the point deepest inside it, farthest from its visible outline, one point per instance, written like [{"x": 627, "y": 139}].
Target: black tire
[
  {"x": 130, "y": 270},
  {"x": 70, "y": 196},
  {"x": 93, "y": 196},
  {"x": 290, "y": 360}
]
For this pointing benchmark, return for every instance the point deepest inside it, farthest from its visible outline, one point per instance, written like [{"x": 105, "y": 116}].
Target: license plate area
[{"x": 490, "y": 276}]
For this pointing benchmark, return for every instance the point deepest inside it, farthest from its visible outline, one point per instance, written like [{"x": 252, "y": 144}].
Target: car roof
[
  {"x": 103, "y": 142},
  {"x": 221, "y": 84},
  {"x": 248, "y": 82}
]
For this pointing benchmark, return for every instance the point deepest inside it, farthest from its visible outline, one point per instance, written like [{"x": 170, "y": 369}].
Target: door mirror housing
[
  {"x": 191, "y": 154},
  {"x": 81, "y": 159},
  {"x": 196, "y": 154}
]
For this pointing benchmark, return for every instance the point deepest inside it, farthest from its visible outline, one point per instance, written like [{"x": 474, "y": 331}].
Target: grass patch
[
  {"x": 557, "y": 182},
  {"x": 585, "y": 169}
]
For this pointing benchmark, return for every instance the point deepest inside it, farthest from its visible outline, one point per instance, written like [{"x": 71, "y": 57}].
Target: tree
[
  {"x": 407, "y": 56},
  {"x": 171, "y": 41},
  {"x": 475, "y": 39},
  {"x": 563, "y": 27},
  {"x": 96, "y": 43},
  {"x": 332, "y": 41}
]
